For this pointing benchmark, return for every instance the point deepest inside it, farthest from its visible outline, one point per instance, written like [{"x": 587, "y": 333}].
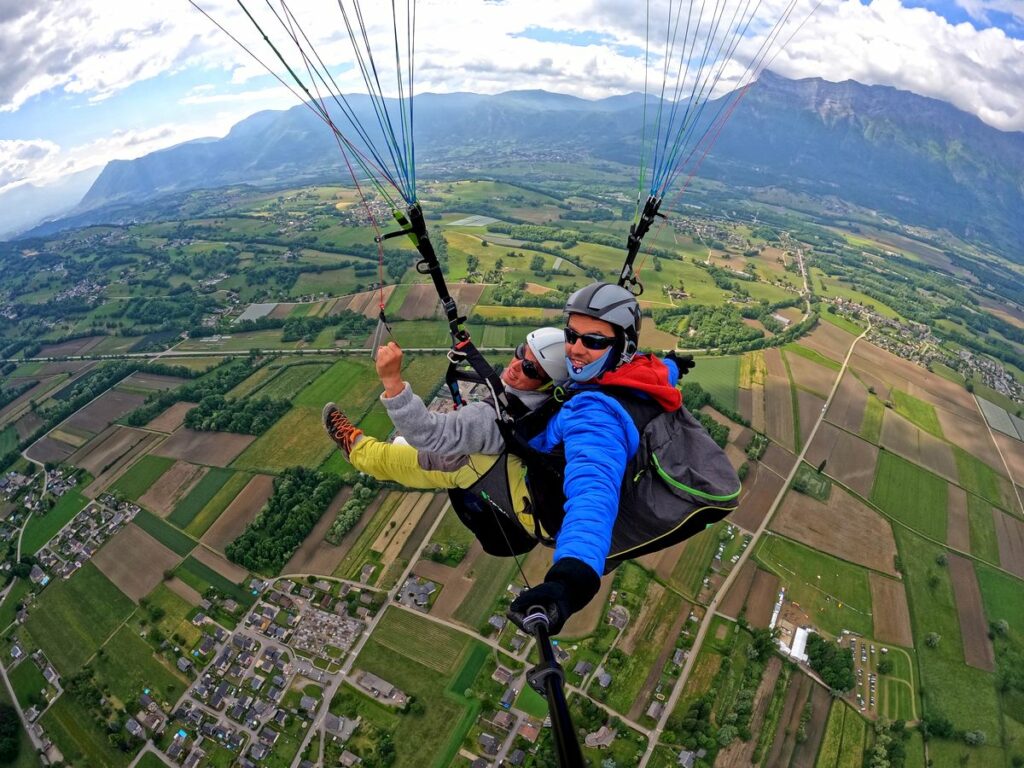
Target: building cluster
[
  {"x": 88, "y": 289},
  {"x": 79, "y": 540}
]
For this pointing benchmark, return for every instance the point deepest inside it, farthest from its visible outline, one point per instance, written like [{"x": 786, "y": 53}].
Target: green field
[
  {"x": 813, "y": 483},
  {"x": 73, "y": 618},
  {"x": 1003, "y": 596},
  {"x": 692, "y": 565},
  {"x": 175, "y": 615},
  {"x": 254, "y": 382},
  {"x": 978, "y": 477},
  {"x": 209, "y": 513},
  {"x": 28, "y": 684},
  {"x": 290, "y": 380},
  {"x": 165, "y": 533},
  {"x": 896, "y": 700},
  {"x": 871, "y": 426},
  {"x": 425, "y": 660},
  {"x": 843, "y": 744},
  {"x": 296, "y": 439},
  {"x": 983, "y": 529},
  {"x": 841, "y": 322},
  {"x": 351, "y": 382},
  {"x": 420, "y": 334},
  {"x": 201, "y": 494},
  {"x": 39, "y": 530},
  {"x": 82, "y": 742},
  {"x": 8, "y": 440},
  {"x": 9, "y": 607},
  {"x": 834, "y": 593},
  {"x": 917, "y": 412},
  {"x": 201, "y": 577},
  {"x": 26, "y": 757},
  {"x": 719, "y": 377},
  {"x": 814, "y": 356},
  {"x": 490, "y": 577},
  {"x": 911, "y": 495},
  {"x": 128, "y": 667},
  {"x": 142, "y": 474},
  {"x": 963, "y": 694}
]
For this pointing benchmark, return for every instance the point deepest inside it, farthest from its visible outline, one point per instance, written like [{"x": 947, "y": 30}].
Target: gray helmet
[
  {"x": 548, "y": 346},
  {"x": 615, "y": 305}
]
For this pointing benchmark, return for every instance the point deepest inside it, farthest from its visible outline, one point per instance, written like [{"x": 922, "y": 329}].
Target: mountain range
[{"x": 918, "y": 159}]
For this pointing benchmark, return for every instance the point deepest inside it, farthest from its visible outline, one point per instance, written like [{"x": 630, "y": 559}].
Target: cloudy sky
[{"x": 86, "y": 81}]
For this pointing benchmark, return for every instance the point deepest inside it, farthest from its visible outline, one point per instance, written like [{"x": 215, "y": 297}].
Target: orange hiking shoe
[{"x": 342, "y": 431}]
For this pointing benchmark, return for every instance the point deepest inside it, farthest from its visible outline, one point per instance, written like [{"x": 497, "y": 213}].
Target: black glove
[
  {"x": 568, "y": 587},
  {"x": 685, "y": 363}
]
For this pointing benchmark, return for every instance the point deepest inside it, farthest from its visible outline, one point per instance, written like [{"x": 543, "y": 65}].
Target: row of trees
[
  {"x": 300, "y": 497},
  {"x": 363, "y": 493},
  {"x": 225, "y": 376}
]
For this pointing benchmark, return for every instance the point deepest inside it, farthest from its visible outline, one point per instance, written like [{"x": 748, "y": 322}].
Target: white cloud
[{"x": 18, "y": 158}]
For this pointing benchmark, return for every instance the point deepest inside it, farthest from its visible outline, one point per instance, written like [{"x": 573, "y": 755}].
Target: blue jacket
[{"x": 599, "y": 439}]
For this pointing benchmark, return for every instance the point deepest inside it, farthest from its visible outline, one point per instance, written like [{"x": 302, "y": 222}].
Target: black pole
[{"x": 547, "y": 679}]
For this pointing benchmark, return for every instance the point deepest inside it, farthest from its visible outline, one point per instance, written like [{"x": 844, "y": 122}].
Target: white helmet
[{"x": 548, "y": 346}]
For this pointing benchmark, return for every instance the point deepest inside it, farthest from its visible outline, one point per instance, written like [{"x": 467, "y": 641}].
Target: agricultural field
[
  {"x": 129, "y": 667},
  {"x": 296, "y": 439},
  {"x": 186, "y": 510},
  {"x": 165, "y": 533},
  {"x": 134, "y": 561},
  {"x": 834, "y": 594},
  {"x": 72, "y": 618},
  {"x": 719, "y": 377},
  {"x": 911, "y": 495},
  {"x": 427, "y": 661},
  {"x": 963, "y": 694},
  {"x": 199, "y": 524},
  {"x": 79, "y": 739},
  {"x": 141, "y": 476},
  {"x": 692, "y": 566}
]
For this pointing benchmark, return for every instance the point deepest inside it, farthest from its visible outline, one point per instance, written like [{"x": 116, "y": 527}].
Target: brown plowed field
[
  {"x": 810, "y": 407},
  {"x": 20, "y": 403},
  {"x": 636, "y": 628},
  {"x": 1010, "y": 533},
  {"x": 414, "y": 543},
  {"x": 901, "y": 437},
  {"x": 171, "y": 487},
  {"x": 65, "y": 366},
  {"x": 184, "y": 591},
  {"x": 240, "y": 512},
  {"x": 784, "y": 742},
  {"x": 829, "y": 340},
  {"x": 843, "y": 527},
  {"x": 958, "y": 531},
  {"x": 172, "y": 418},
  {"x": 778, "y": 459},
  {"x": 737, "y": 595},
  {"x": 847, "y": 409},
  {"x": 778, "y": 407},
  {"x": 810, "y": 375},
  {"x": 774, "y": 364},
  {"x": 890, "y": 614},
  {"x": 882, "y": 388},
  {"x": 421, "y": 302},
  {"x": 281, "y": 311},
  {"x": 735, "y": 429},
  {"x": 135, "y": 561},
  {"x": 666, "y": 561},
  {"x": 315, "y": 555},
  {"x": 340, "y": 305},
  {"x": 117, "y": 468},
  {"x": 915, "y": 380},
  {"x": 47, "y": 449},
  {"x": 757, "y": 417},
  {"x": 367, "y": 303},
  {"x": 216, "y": 449},
  {"x": 759, "y": 491},
  {"x": 764, "y": 591},
  {"x": 737, "y": 458},
  {"x": 1013, "y": 452},
  {"x": 973, "y": 626},
  {"x": 849, "y": 459},
  {"x": 106, "y": 448},
  {"x": 739, "y": 753},
  {"x": 105, "y": 410},
  {"x": 971, "y": 435},
  {"x": 746, "y": 404},
  {"x": 69, "y": 348},
  {"x": 456, "y": 583},
  {"x": 225, "y": 568},
  {"x": 806, "y": 752},
  {"x": 153, "y": 381}
]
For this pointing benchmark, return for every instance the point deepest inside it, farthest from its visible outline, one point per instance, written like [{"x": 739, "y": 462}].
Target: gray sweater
[{"x": 471, "y": 429}]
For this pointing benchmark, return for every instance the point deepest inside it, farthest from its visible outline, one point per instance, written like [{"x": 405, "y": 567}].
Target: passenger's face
[
  {"x": 578, "y": 353},
  {"x": 515, "y": 376}
]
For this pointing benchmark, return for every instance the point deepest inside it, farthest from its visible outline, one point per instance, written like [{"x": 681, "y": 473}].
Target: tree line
[{"x": 249, "y": 416}]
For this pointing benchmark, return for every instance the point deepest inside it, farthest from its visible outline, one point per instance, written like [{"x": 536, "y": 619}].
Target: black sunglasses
[
  {"x": 530, "y": 368},
  {"x": 590, "y": 340}
]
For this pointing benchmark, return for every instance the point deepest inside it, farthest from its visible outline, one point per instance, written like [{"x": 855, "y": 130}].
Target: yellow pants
[{"x": 400, "y": 464}]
